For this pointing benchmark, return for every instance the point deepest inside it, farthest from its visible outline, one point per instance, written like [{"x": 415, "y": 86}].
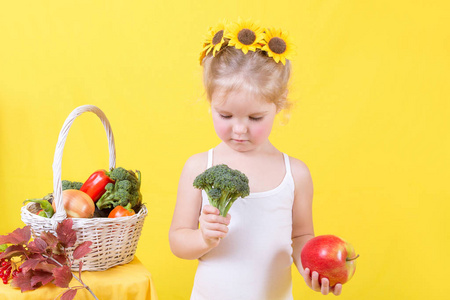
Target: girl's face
[{"x": 242, "y": 120}]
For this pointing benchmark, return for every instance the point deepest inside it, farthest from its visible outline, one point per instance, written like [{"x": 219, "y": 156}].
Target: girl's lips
[{"x": 239, "y": 141}]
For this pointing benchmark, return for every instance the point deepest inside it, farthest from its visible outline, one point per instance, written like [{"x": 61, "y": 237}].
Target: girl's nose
[{"x": 239, "y": 128}]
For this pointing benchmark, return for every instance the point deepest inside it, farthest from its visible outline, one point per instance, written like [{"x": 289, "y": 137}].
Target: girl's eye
[
  {"x": 224, "y": 116},
  {"x": 255, "y": 118}
]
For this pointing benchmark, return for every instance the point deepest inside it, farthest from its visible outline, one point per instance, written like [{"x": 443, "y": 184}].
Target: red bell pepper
[
  {"x": 95, "y": 184},
  {"x": 120, "y": 211}
]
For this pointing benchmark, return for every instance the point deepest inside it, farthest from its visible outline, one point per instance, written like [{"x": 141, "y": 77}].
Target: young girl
[{"x": 248, "y": 254}]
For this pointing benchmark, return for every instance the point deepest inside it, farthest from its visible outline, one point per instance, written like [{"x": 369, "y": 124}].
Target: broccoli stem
[
  {"x": 228, "y": 206},
  {"x": 225, "y": 202}
]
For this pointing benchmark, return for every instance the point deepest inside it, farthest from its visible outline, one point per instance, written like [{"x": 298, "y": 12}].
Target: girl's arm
[
  {"x": 186, "y": 239},
  {"x": 302, "y": 226},
  {"x": 302, "y": 223}
]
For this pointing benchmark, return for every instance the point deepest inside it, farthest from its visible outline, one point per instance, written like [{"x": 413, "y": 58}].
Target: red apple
[{"x": 330, "y": 256}]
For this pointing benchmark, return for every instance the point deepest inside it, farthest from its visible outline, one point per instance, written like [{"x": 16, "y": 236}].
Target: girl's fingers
[
  {"x": 211, "y": 234},
  {"x": 217, "y": 219},
  {"x": 209, "y": 209},
  {"x": 325, "y": 287},
  {"x": 337, "y": 289},
  {"x": 312, "y": 280},
  {"x": 211, "y": 214},
  {"x": 307, "y": 277},
  {"x": 315, "y": 285},
  {"x": 214, "y": 219},
  {"x": 213, "y": 237},
  {"x": 228, "y": 218},
  {"x": 215, "y": 227}
]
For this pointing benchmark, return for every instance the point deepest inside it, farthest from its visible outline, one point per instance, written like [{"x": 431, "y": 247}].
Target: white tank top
[{"x": 253, "y": 262}]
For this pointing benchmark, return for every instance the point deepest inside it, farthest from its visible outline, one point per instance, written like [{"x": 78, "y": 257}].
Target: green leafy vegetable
[
  {"x": 71, "y": 185},
  {"x": 126, "y": 189},
  {"x": 223, "y": 186},
  {"x": 46, "y": 206}
]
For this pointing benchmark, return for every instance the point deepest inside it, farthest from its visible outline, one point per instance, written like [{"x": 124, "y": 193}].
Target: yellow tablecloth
[{"x": 131, "y": 281}]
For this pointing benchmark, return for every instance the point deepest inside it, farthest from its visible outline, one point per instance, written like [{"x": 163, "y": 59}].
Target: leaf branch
[{"x": 79, "y": 280}]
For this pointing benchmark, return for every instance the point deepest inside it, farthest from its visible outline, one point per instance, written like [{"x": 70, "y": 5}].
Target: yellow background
[{"x": 371, "y": 120}]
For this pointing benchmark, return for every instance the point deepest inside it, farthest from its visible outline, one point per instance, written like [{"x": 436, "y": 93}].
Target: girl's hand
[
  {"x": 213, "y": 226},
  {"x": 324, "y": 287}
]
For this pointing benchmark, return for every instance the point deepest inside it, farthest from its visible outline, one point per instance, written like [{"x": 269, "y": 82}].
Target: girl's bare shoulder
[
  {"x": 197, "y": 163},
  {"x": 300, "y": 171}
]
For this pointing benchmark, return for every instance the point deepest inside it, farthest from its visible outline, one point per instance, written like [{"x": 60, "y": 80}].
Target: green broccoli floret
[
  {"x": 214, "y": 196},
  {"x": 109, "y": 187},
  {"x": 223, "y": 186},
  {"x": 123, "y": 174},
  {"x": 125, "y": 185},
  {"x": 126, "y": 189},
  {"x": 71, "y": 185}
]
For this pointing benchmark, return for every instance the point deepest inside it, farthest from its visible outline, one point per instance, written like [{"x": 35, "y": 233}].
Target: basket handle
[{"x": 60, "y": 213}]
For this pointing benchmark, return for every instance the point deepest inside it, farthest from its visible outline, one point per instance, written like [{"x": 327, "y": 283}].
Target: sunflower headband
[{"x": 248, "y": 36}]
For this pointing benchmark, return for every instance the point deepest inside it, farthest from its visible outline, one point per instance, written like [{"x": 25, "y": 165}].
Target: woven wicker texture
[{"x": 114, "y": 241}]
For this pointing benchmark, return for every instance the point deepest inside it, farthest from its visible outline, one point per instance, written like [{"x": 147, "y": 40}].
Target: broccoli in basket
[
  {"x": 125, "y": 189},
  {"x": 223, "y": 186},
  {"x": 67, "y": 185}
]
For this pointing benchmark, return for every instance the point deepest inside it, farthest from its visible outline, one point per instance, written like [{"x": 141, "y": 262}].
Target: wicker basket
[{"x": 114, "y": 241}]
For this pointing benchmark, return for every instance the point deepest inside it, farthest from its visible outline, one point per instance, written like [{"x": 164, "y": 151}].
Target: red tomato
[{"x": 120, "y": 211}]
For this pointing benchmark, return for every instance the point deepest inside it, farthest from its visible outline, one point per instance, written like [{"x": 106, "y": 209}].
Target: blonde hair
[{"x": 231, "y": 70}]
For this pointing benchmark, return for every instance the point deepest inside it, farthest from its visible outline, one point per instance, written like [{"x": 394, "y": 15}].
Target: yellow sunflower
[
  {"x": 245, "y": 35},
  {"x": 278, "y": 45},
  {"x": 214, "y": 40}
]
